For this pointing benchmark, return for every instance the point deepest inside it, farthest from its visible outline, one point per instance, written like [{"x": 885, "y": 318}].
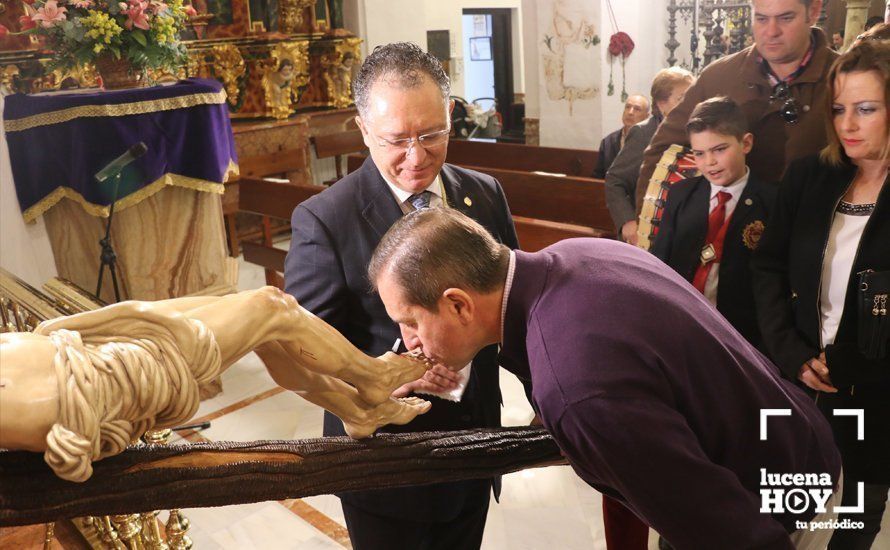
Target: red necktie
[{"x": 717, "y": 224}]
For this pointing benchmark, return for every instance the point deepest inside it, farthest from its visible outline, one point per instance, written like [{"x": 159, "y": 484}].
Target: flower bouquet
[{"x": 122, "y": 39}]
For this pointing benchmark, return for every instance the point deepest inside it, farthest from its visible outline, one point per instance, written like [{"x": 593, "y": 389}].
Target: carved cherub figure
[{"x": 83, "y": 387}]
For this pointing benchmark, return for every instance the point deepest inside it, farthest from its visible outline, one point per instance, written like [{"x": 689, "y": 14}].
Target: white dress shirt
[{"x": 435, "y": 187}]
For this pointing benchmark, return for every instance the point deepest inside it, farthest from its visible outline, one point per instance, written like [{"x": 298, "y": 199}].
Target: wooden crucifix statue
[{"x": 83, "y": 387}]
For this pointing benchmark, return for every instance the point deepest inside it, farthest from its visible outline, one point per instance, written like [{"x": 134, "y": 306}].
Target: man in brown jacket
[{"x": 779, "y": 82}]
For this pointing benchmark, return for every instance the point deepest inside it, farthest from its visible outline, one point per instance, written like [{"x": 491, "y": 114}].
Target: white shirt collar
[
  {"x": 735, "y": 189},
  {"x": 508, "y": 284},
  {"x": 435, "y": 187}
]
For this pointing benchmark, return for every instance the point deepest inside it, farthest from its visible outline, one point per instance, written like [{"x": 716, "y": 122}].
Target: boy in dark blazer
[{"x": 713, "y": 223}]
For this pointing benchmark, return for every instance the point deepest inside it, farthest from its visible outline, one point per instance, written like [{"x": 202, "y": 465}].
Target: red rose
[
  {"x": 26, "y": 22},
  {"x": 620, "y": 44},
  {"x": 3, "y": 32}
]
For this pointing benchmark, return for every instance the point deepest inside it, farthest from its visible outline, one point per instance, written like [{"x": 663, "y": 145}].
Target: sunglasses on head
[{"x": 790, "y": 110}]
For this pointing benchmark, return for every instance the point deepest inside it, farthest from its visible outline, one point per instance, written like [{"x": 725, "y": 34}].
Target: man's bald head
[{"x": 636, "y": 110}]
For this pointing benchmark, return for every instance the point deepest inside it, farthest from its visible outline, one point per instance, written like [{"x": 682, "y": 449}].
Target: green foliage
[{"x": 144, "y": 31}]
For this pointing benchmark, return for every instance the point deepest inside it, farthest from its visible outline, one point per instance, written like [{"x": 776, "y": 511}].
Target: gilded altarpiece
[{"x": 288, "y": 56}]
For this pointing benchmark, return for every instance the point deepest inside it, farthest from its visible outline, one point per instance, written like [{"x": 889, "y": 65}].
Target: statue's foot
[
  {"x": 393, "y": 411},
  {"x": 395, "y": 371}
]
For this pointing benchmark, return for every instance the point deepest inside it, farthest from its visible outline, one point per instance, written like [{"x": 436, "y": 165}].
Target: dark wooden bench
[
  {"x": 270, "y": 200},
  {"x": 547, "y": 208},
  {"x": 336, "y": 145},
  {"x": 524, "y": 158}
]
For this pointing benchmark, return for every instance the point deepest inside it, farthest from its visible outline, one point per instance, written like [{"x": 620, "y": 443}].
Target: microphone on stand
[
  {"x": 114, "y": 167},
  {"x": 107, "y": 257}
]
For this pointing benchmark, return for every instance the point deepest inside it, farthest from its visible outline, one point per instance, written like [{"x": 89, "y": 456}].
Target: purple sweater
[{"x": 654, "y": 398}]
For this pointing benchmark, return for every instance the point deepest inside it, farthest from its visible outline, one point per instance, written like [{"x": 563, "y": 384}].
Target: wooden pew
[
  {"x": 273, "y": 200},
  {"x": 524, "y": 158},
  {"x": 337, "y": 145},
  {"x": 265, "y": 149},
  {"x": 547, "y": 208}
]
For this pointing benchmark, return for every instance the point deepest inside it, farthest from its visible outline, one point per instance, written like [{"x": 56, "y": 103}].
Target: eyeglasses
[
  {"x": 790, "y": 110},
  {"x": 427, "y": 141}
]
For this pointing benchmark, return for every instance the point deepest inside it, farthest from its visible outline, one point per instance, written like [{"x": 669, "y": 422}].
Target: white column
[{"x": 857, "y": 14}]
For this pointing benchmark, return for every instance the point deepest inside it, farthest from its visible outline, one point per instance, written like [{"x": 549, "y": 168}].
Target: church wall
[
  {"x": 582, "y": 121},
  {"x": 646, "y": 23},
  {"x": 24, "y": 248}
]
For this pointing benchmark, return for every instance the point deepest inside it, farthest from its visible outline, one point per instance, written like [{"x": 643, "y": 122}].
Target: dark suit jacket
[
  {"x": 609, "y": 147},
  {"x": 622, "y": 175},
  {"x": 334, "y": 236},
  {"x": 652, "y": 396},
  {"x": 682, "y": 233}
]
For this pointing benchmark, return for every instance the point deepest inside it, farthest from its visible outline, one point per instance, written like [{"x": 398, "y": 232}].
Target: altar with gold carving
[{"x": 274, "y": 58}]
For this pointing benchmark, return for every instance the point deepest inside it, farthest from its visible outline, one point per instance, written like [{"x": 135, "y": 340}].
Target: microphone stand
[{"x": 107, "y": 257}]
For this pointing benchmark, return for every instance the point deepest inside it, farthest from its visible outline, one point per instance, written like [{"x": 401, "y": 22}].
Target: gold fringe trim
[
  {"x": 232, "y": 171},
  {"x": 132, "y": 199},
  {"x": 122, "y": 109}
]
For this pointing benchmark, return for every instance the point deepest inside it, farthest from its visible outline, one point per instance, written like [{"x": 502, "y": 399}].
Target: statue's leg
[
  {"x": 243, "y": 321},
  {"x": 338, "y": 397}
]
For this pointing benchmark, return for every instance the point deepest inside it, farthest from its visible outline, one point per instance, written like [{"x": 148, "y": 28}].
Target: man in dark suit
[
  {"x": 636, "y": 110},
  {"x": 402, "y": 96},
  {"x": 713, "y": 223},
  {"x": 650, "y": 394}
]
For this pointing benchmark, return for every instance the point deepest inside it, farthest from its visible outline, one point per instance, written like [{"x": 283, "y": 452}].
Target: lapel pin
[
  {"x": 748, "y": 202},
  {"x": 467, "y": 201}
]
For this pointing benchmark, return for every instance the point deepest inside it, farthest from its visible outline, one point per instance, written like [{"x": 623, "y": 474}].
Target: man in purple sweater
[{"x": 652, "y": 396}]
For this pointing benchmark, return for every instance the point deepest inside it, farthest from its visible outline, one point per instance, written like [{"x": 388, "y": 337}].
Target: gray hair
[
  {"x": 431, "y": 250},
  {"x": 404, "y": 64}
]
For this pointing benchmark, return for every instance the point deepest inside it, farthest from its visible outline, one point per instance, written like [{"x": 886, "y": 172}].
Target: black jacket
[
  {"x": 609, "y": 148},
  {"x": 334, "y": 235},
  {"x": 787, "y": 280},
  {"x": 682, "y": 233}
]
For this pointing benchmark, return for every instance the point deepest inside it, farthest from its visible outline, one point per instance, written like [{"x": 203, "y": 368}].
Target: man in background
[
  {"x": 837, "y": 40},
  {"x": 636, "y": 110}
]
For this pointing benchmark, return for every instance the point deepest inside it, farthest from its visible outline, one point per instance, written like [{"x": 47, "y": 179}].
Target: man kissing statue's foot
[
  {"x": 399, "y": 370},
  {"x": 394, "y": 411}
]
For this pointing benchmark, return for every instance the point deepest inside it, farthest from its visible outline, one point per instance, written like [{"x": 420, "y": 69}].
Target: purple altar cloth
[{"x": 58, "y": 142}]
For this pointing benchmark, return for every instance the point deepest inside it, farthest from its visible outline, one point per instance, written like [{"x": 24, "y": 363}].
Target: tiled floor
[{"x": 539, "y": 509}]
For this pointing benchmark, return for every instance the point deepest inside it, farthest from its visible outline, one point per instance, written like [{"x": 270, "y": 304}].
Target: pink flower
[
  {"x": 3, "y": 32},
  {"x": 191, "y": 11},
  {"x": 83, "y": 3},
  {"x": 136, "y": 17},
  {"x": 50, "y": 14}
]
